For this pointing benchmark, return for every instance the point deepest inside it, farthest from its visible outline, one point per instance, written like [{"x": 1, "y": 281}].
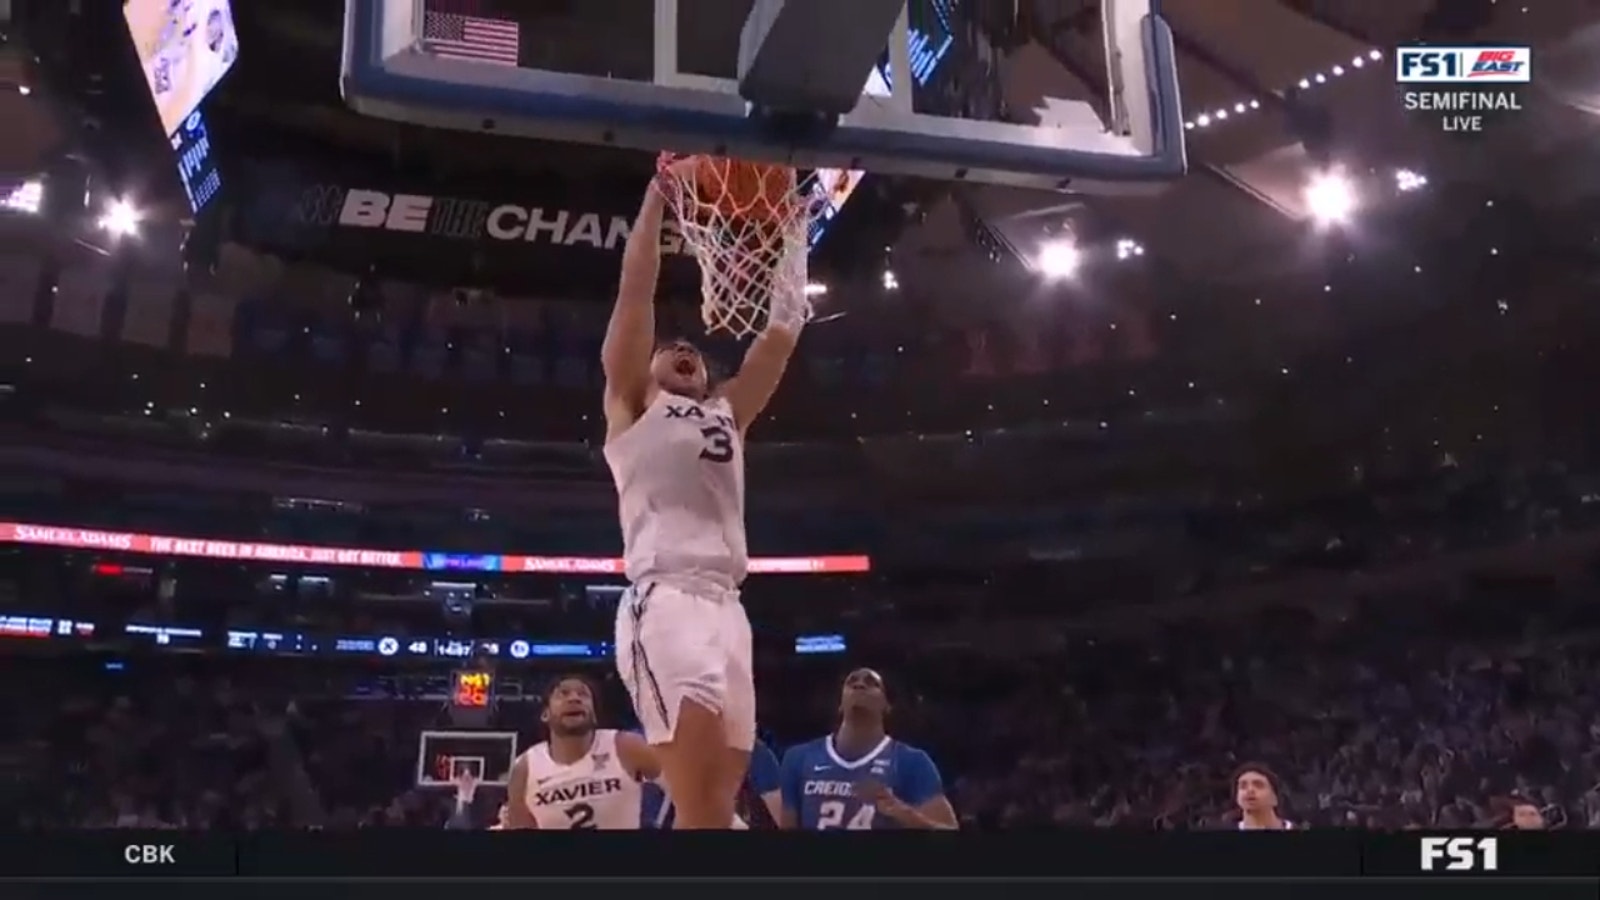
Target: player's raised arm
[
  {"x": 749, "y": 392},
  {"x": 638, "y": 757},
  {"x": 518, "y": 815},
  {"x": 789, "y": 788},
  {"x": 625, "y": 353},
  {"x": 768, "y": 356}
]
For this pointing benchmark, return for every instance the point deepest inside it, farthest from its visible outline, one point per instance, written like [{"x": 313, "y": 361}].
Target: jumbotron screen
[{"x": 184, "y": 49}]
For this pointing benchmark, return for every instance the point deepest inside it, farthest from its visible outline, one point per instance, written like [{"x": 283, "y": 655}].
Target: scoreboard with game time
[{"x": 471, "y": 697}]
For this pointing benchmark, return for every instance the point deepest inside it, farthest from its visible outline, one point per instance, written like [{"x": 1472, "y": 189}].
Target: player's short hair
[
  {"x": 670, "y": 340},
  {"x": 559, "y": 680},
  {"x": 1522, "y": 800},
  {"x": 883, "y": 682},
  {"x": 1260, "y": 769}
]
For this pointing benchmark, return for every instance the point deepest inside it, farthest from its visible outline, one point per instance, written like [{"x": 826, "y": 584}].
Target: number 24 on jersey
[{"x": 834, "y": 814}]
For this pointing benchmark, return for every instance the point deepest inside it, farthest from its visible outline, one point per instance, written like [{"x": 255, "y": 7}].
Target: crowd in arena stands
[
  {"x": 1467, "y": 709},
  {"x": 1445, "y": 711},
  {"x": 1396, "y": 718},
  {"x": 147, "y": 752},
  {"x": 1178, "y": 548}
]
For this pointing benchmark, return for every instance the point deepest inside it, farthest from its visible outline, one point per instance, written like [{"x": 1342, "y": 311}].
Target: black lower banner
[{"x": 757, "y": 854}]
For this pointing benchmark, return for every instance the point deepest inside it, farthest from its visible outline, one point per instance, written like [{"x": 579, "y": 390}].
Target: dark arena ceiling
[
  {"x": 1205, "y": 300},
  {"x": 1243, "y": 59}
]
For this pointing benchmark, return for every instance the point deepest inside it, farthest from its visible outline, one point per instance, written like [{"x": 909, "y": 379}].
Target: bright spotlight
[
  {"x": 816, "y": 289},
  {"x": 121, "y": 219},
  {"x": 24, "y": 198},
  {"x": 1059, "y": 259},
  {"x": 1406, "y": 181},
  {"x": 1127, "y": 248},
  {"x": 1330, "y": 198},
  {"x": 890, "y": 283}
]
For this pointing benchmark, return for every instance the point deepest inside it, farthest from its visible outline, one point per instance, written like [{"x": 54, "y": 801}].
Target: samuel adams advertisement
[{"x": 527, "y": 235}]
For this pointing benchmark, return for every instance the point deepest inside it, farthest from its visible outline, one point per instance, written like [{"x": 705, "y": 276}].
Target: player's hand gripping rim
[{"x": 674, "y": 173}]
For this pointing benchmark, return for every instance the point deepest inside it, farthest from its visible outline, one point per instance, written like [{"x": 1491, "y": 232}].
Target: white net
[{"x": 748, "y": 226}]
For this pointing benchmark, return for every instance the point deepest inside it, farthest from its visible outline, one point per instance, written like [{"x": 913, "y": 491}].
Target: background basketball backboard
[
  {"x": 646, "y": 74},
  {"x": 487, "y": 755}
]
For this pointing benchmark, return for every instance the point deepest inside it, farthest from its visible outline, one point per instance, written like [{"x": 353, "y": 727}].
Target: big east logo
[
  {"x": 1459, "y": 65},
  {"x": 1499, "y": 64}
]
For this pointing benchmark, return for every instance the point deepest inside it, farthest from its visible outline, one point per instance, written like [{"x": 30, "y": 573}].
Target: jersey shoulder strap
[{"x": 536, "y": 757}]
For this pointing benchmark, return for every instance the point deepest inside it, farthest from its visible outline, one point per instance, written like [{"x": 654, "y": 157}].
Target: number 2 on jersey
[
  {"x": 831, "y": 815},
  {"x": 719, "y": 444},
  {"x": 581, "y": 817}
]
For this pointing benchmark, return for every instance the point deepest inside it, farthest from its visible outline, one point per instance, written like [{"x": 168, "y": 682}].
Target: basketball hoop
[{"x": 748, "y": 226}]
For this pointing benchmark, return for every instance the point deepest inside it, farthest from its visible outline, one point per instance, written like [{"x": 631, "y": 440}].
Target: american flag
[{"x": 470, "y": 38}]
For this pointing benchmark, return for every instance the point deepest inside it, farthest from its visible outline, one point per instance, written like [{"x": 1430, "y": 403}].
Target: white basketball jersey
[
  {"x": 680, "y": 490},
  {"x": 596, "y": 792}
]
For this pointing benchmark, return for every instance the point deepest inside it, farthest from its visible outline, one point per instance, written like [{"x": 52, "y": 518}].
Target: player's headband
[{"x": 874, "y": 674}]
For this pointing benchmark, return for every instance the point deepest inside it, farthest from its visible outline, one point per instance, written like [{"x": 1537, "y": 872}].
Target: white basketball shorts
[{"x": 675, "y": 645}]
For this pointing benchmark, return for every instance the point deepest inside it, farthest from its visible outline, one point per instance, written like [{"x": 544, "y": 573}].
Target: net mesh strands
[{"x": 748, "y": 226}]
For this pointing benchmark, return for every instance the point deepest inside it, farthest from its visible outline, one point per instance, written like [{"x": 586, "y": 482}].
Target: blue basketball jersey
[
  {"x": 819, "y": 783},
  {"x": 761, "y": 779}
]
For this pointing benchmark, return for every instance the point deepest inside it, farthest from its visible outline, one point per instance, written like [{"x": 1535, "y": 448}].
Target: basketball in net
[{"x": 748, "y": 226}]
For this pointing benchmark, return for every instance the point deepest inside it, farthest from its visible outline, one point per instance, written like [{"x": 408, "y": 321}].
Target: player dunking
[
  {"x": 859, "y": 778},
  {"x": 582, "y": 778},
  {"x": 676, "y": 450}
]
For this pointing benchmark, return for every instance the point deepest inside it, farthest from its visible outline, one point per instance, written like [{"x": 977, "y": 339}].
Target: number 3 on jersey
[
  {"x": 719, "y": 444},
  {"x": 830, "y": 815}
]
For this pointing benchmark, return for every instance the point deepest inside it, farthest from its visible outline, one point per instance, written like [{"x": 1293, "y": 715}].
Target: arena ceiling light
[
  {"x": 1243, "y": 107},
  {"x": 1406, "y": 181},
  {"x": 1330, "y": 197},
  {"x": 121, "y": 219},
  {"x": 1358, "y": 62},
  {"x": 816, "y": 289},
  {"x": 1128, "y": 248},
  {"x": 24, "y": 198},
  {"x": 890, "y": 282},
  {"x": 1057, "y": 260}
]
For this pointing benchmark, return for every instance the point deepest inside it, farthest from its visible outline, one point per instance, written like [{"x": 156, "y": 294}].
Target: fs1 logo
[
  {"x": 1463, "y": 65},
  {"x": 1460, "y": 854}
]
